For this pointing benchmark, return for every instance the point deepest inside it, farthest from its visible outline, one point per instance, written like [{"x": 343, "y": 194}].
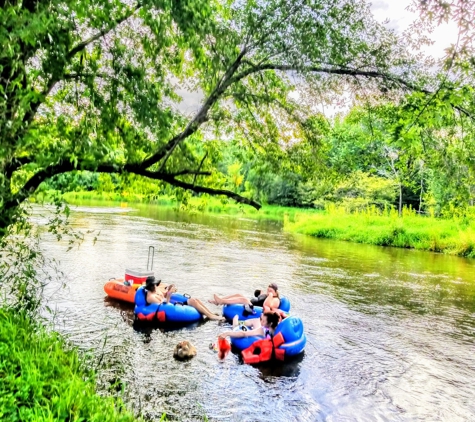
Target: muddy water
[{"x": 390, "y": 332}]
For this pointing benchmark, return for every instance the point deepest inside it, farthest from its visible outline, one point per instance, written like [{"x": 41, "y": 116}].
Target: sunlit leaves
[{"x": 94, "y": 86}]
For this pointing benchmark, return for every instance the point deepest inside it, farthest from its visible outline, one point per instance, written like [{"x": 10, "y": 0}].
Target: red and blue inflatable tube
[
  {"x": 175, "y": 311},
  {"x": 289, "y": 340}
]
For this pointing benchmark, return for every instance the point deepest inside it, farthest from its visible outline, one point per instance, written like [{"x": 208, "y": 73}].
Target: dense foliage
[
  {"x": 43, "y": 379},
  {"x": 94, "y": 86}
]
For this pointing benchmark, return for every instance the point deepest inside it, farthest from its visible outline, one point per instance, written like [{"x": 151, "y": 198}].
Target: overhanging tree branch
[
  {"x": 230, "y": 78},
  {"x": 211, "y": 191},
  {"x": 328, "y": 70},
  {"x": 344, "y": 72},
  {"x": 200, "y": 117},
  {"x": 65, "y": 166}
]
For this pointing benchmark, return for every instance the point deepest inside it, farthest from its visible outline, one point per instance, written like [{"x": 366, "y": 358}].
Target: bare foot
[
  {"x": 217, "y": 300},
  {"x": 212, "y": 301},
  {"x": 217, "y": 318}
]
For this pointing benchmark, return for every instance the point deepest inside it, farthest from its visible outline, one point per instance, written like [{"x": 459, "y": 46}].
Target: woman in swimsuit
[{"x": 264, "y": 326}]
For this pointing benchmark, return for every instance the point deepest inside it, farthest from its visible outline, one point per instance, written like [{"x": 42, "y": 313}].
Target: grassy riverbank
[
  {"x": 43, "y": 379},
  {"x": 455, "y": 236},
  {"x": 205, "y": 204}
]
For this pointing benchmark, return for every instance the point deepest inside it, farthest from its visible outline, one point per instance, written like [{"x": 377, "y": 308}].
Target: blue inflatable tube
[
  {"x": 290, "y": 331},
  {"x": 174, "y": 312},
  {"x": 295, "y": 347},
  {"x": 242, "y": 343},
  {"x": 229, "y": 311}
]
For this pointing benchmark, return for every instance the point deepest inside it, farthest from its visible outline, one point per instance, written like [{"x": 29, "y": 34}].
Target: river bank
[
  {"x": 453, "y": 236},
  {"x": 44, "y": 378}
]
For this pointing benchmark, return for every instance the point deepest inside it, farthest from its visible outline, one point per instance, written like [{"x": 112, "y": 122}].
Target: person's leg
[
  {"x": 217, "y": 300},
  {"x": 252, "y": 322},
  {"x": 239, "y": 299},
  {"x": 234, "y": 296},
  {"x": 202, "y": 309},
  {"x": 168, "y": 294},
  {"x": 235, "y": 321}
]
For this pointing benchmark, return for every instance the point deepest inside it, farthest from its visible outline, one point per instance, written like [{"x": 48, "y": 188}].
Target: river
[{"x": 390, "y": 332}]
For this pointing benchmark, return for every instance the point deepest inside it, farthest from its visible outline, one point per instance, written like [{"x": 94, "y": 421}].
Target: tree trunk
[
  {"x": 420, "y": 197},
  {"x": 400, "y": 200}
]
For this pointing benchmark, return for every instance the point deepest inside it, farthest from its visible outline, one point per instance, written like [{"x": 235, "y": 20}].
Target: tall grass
[
  {"x": 212, "y": 205},
  {"x": 42, "y": 379},
  {"x": 454, "y": 236}
]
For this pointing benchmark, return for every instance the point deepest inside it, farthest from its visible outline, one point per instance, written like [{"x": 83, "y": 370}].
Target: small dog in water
[{"x": 184, "y": 350}]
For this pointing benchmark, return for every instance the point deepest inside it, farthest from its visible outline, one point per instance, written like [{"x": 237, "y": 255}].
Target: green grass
[
  {"x": 454, "y": 236},
  {"x": 212, "y": 205},
  {"x": 43, "y": 379}
]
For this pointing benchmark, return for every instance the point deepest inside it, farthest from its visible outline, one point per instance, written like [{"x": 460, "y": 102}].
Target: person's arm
[
  {"x": 241, "y": 334},
  {"x": 168, "y": 292},
  {"x": 271, "y": 304}
]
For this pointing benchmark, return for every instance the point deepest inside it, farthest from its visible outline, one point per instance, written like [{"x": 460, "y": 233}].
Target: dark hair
[
  {"x": 274, "y": 286},
  {"x": 151, "y": 283},
  {"x": 273, "y": 319}
]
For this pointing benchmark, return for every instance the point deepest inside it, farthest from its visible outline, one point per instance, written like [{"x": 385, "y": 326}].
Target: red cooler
[{"x": 137, "y": 276}]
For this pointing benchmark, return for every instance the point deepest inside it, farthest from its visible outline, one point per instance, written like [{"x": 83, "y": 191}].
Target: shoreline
[{"x": 454, "y": 236}]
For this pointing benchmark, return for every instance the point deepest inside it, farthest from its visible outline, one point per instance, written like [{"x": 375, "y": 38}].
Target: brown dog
[{"x": 184, "y": 350}]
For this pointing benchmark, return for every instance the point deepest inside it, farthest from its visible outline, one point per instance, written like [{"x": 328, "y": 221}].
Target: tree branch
[
  {"x": 14, "y": 165},
  {"x": 328, "y": 70},
  {"x": 203, "y": 189},
  {"x": 340, "y": 71},
  {"x": 28, "y": 118},
  {"x": 170, "y": 179},
  {"x": 200, "y": 117},
  {"x": 65, "y": 166},
  {"x": 199, "y": 167},
  {"x": 82, "y": 45},
  {"x": 158, "y": 175}
]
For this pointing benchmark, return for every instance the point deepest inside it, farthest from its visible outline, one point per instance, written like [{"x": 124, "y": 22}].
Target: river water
[{"x": 390, "y": 332}]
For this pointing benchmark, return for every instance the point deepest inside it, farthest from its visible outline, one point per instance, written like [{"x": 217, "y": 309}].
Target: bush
[{"x": 44, "y": 381}]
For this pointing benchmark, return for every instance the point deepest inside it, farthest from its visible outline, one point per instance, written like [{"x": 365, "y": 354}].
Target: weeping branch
[{"x": 200, "y": 117}]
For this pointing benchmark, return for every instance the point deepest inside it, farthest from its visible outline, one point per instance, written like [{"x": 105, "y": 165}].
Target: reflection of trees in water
[{"x": 366, "y": 275}]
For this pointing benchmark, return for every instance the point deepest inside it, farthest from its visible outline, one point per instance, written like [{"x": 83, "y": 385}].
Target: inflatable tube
[
  {"x": 173, "y": 312},
  {"x": 294, "y": 339},
  {"x": 289, "y": 340},
  {"x": 118, "y": 290},
  {"x": 229, "y": 311},
  {"x": 242, "y": 343}
]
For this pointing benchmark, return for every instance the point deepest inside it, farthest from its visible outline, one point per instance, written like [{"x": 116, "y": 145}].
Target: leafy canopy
[{"x": 94, "y": 85}]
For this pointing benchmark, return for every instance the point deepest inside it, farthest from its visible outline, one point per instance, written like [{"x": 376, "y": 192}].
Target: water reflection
[{"x": 390, "y": 332}]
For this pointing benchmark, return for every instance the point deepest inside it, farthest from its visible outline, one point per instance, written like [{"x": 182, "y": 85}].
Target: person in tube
[
  {"x": 155, "y": 295},
  {"x": 270, "y": 300}
]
